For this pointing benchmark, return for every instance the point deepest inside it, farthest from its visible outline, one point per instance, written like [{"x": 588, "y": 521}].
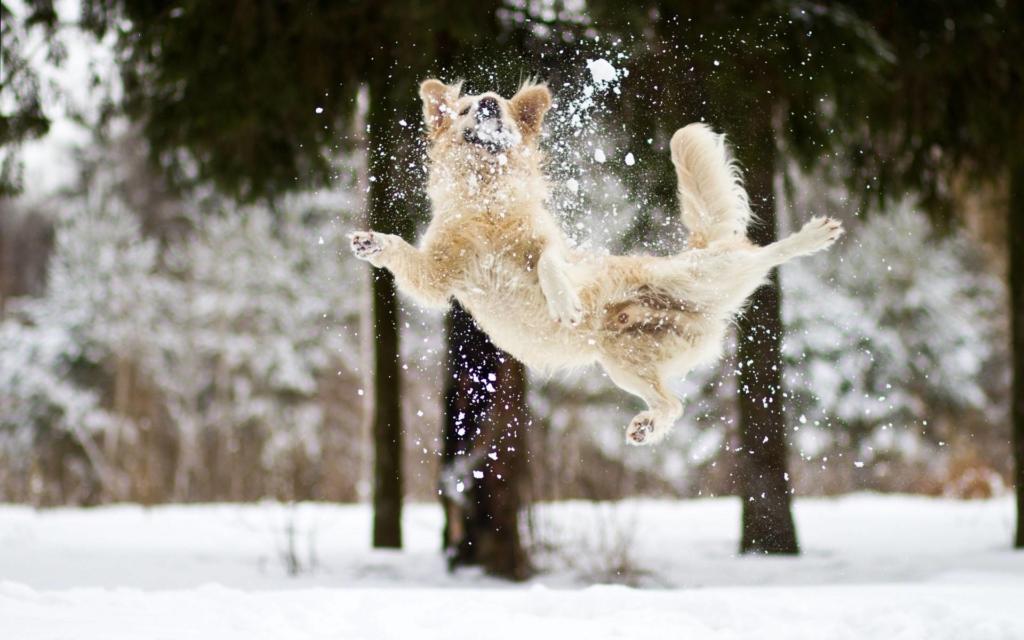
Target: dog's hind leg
[
  {"x": 819, "y": 233},
  {"x": 741, "y": 272},
  {"x": 652, "y": 425}
]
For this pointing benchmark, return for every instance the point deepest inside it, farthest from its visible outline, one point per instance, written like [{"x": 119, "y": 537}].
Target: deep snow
[{"x": 873, "y": 567}]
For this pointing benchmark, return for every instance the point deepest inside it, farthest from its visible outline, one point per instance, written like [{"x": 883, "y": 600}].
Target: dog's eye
[{"x": 464, "y": 111}]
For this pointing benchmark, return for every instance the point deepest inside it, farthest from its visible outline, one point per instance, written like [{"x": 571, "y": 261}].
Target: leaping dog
[{"x": 493, "y": 246}]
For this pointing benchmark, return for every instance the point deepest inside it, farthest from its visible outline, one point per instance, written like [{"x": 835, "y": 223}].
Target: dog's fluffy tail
[{"x": 711, "y": 195}]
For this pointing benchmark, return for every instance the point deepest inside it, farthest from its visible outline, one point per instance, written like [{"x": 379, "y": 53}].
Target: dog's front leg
[
  {"x": 416, "y": 272},
  {"x": 563, "y": 301}
]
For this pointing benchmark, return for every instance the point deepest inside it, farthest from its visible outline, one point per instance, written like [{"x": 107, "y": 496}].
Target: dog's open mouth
[{"x": 491, "y": 135}]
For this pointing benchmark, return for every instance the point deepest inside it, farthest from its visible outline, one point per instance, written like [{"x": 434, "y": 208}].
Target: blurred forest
[{"x": 181, "y": 320}]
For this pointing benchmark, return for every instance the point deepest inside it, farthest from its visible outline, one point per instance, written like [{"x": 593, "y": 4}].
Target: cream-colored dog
[{"x": 494, "y": 247}]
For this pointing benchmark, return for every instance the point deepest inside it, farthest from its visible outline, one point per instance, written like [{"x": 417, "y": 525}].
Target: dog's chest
[
  {"x": 500, "y": 287},
  {"x": 501, "y": 278},
  {"x": 499, "y": 255},
  {"x": 502, "y": 283}
]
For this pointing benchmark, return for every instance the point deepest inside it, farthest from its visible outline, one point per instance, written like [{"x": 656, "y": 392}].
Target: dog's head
[{"x": 485, "y": 126}]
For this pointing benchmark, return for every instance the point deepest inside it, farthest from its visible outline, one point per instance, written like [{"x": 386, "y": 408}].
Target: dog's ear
[
  {"x": 529, "y": 105},
  {"x": 438, "y": 103}
]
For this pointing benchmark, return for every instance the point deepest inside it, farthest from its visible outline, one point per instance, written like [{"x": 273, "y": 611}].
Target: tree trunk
[
  {"x": 1016, "y": 251},
  {"x": 767, "y": 517},
  {"x": 384, "y": 216},
  {"x": 484, "y": 443}
]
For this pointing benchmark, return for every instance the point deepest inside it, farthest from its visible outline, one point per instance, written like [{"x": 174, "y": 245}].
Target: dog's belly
[{"x": 507, "y": 302}]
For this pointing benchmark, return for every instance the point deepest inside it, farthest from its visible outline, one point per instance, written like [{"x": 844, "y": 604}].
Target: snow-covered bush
[
  {"x": 264, "y": 317},
  {"x": 47, "y": 422},
  {"x": 890, "y": 347},
  {"x": 223, "y": 360},
  {"x": 98, "y": 305}
]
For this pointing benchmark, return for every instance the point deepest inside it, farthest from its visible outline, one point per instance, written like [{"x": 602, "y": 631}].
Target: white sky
[{"x": 49, "y": 164}]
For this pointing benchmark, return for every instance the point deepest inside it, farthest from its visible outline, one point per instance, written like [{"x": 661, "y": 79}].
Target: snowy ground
[{"x": 873, "y": 567}]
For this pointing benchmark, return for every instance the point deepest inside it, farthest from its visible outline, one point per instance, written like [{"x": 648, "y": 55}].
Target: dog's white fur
[{"x": 494, "y": 247}]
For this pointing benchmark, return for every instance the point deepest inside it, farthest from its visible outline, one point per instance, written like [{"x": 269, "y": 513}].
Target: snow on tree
[
  {"x": 888, "y": 344},
  {"x": 263, "y": 318},
  {"x": 93, "y": 313},
  {"x": 239, "y": 338}
]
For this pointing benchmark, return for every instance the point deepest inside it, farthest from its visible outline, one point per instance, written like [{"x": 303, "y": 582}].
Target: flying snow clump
[{"x": 602, "y": 72}]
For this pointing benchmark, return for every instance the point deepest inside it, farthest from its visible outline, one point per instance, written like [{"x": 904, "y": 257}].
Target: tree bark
[
  {"x": 767, "y": 521},
  {"x": 384, "y": 216},
  {"x": 485, "y": 418},
  {"x": 1016, "y": 253}
]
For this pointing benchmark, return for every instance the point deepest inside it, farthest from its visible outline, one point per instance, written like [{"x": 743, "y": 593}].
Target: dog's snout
[{"x": 487, "y": 108}]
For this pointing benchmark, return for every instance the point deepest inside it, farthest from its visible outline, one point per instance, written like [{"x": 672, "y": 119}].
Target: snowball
[
  {"x": 630, "y": 160},
  {"x": 602, "y": 72},
  {"x": 319, "y": 110},
  {"x": 599, "y": 155}
]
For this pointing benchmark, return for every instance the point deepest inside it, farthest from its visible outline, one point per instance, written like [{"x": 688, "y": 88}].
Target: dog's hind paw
[
  {"x": 644, "y": 429},
  {"x": 820, "y": 232}
]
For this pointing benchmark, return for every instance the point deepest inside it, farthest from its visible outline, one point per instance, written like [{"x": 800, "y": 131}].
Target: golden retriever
[{"x": 493, "y": 245}]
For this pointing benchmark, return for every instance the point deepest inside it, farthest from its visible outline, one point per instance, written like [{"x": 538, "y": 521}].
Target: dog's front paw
[
  {"x": 366, "y": 244},
  {"x": 566, "y": 309}
]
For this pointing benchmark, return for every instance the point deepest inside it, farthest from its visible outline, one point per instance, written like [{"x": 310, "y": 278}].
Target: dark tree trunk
[
  {"x": 485, "y": 418},
  {"x": 1016, "y": 250},
  {"x": 387, "y": 415},
  {"x": 385, "y": 216},
  {"x": 764, "y": 483}
]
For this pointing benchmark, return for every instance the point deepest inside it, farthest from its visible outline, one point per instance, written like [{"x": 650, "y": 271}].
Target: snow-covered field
[{"x": 873, "y": 567}]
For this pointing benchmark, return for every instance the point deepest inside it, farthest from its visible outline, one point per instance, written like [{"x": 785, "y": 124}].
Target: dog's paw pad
[
  {"x": 365, "y": 244},
  {"x": 641, "y": 430}
]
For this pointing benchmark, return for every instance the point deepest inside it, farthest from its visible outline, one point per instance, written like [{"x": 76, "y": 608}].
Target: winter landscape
[
  {"x": 872, "y": 567},
  {"x": 217, "y": 421}
]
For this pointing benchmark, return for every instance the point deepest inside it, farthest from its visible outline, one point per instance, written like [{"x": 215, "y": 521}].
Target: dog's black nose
[{"x": 487, "y": 108}]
